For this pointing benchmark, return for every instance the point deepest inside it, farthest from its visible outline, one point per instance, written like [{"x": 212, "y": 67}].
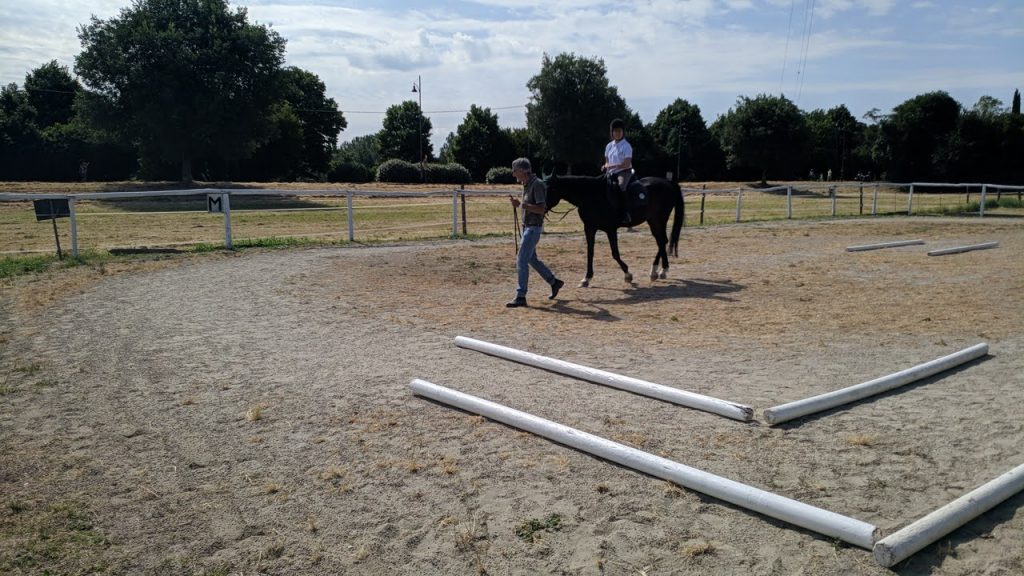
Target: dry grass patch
[
  {"x": 448, "y": 465},
  {"x": 254, "y": 413},
  {"x": 333, "y": 472},
  {"x": 861, "y": 440},
  {"x": 698, "y": 549}
]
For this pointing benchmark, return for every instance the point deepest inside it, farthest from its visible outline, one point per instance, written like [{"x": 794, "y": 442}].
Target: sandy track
[{"x": 147, "y": 379}]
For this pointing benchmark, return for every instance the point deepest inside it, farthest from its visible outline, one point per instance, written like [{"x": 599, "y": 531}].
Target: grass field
[{"x": 303, "y": 214}]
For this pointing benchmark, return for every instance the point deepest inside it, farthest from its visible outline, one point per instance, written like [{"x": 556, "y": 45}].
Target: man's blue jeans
[{"x": 528, "y": 257}]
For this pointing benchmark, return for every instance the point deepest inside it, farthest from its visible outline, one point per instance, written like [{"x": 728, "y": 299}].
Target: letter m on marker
[{"x": 213, "y": 204}]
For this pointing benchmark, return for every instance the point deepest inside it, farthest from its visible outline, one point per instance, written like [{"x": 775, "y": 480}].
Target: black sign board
[{"x": 51, "y": 209}]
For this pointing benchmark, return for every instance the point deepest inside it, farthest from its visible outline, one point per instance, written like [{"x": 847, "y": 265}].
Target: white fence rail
[{"x": 808, "y": 197}]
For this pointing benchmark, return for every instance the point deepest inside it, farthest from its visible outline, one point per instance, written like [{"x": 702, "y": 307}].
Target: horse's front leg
[
  {"x": 591, "y": 234},
  {"x": 613, "y": 242}
]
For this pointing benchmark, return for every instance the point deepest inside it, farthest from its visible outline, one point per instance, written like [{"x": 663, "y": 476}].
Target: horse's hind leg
[
  {"x": 591, "y": 234},
  {"x": 662, "y": 255}
]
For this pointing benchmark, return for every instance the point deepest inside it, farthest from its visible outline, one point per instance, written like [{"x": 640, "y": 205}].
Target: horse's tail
[{"x": 677, "y": 222}]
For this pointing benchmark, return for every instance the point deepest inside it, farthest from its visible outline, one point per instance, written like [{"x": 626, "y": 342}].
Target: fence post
[
  {"x": 74, "y": 227},
  {"x": 455, "y": 213},
  {"x": 351, "y": 220},
  {"x": 861, "y": 211},
  {"x": 789, "y": 202},
  {"x": 910, "y": 201},
  {"x": 981, "y": 210},
  {"x": 874, "y": 201},
  {"x": 226, "y": 200},
  {"x": 702, "y": 196},
  {"x": 462, "y": 197},
  {"x": 739, "y": 202},
  {"x": 832, "y": 193}
]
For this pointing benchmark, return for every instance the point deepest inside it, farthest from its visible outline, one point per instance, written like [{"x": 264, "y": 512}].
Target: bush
[
  {"x": 402, "y": 172},
  {"x": 349, "y": 171},
  {"x": 451, "y": 173},
  {"x": 399, "y": 172},
  {"x": 500, "y": 175}
]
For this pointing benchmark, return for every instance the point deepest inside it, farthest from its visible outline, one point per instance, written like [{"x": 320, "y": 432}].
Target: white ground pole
[
  {"x": 806, "y": 516},
  {"x": 983, "y": 246},
  {"x": 895, "y": 244},
  {"x": 642, "y": 387},
  {"x": 798, "y": 408},
  {"x": 901, "y": 544}
]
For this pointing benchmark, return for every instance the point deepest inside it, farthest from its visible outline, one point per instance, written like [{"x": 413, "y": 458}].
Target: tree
[
  {"x": 319, "y": 117},
  {"x": 476, "y": 142},
  {"x": 401, "y": 137},
  {"x": 19, "y": 136},
  {"x": 766, "y": 133},
  {"x": 361, "y": 150},
  {"x": 1015, "y": 107},
  {"x": 51, "y": 91},
  {"x": 183, "y": 78},
  {"x": 571, "y": 105},
  {"x": 918, "y": 136},
  {"x": 834, "y": 135},
  {"x": 681, "y": 132}
]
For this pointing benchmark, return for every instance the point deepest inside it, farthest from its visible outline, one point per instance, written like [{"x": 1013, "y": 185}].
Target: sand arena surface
[{"x": 135, "y": 398}]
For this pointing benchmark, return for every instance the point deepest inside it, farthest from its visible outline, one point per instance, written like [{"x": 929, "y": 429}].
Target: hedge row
[{"x": 402, "y": 172}]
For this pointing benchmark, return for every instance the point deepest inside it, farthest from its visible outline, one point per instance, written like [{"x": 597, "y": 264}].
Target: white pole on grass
[
  {"x": 895, "y": 244},
  {"x": 874, "y": 201},
  {"x": 981, "y": 208},
  {"x": 739, "y": 201},
  {"x": 959, "y": 249},
  {"x": 635, "y": 385},
  {"x": 798, "y": 408},
  {"x": 797, "y": 513},
  {"x": 789, "y": 202},
  {"x": 901, "y": 544}
]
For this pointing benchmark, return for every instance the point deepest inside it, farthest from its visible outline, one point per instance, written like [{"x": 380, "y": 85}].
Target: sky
[{"x": 865, "y": 54}]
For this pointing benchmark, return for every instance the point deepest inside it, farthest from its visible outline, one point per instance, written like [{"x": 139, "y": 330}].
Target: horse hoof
[
  {"x": 663, "y": 275},
  {"x": 629, "y": 278},
  {"x": 654, "y": 277},
  {"x": 584, "y": 283}
]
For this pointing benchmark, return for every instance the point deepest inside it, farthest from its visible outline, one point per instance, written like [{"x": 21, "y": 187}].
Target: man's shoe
[
  {"x": 517, "y": 303},
  {"x": 555, "y": 287}
]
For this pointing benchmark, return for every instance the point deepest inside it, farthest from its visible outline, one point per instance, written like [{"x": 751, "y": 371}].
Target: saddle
[{"x": 635, "y": 195}]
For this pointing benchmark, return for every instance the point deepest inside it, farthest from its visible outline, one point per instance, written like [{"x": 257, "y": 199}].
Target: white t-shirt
[{"x": 616, "y": 152}]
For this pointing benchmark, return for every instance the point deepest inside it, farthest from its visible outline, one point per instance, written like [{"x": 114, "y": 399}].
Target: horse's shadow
[{"x": 669, "y": 290}]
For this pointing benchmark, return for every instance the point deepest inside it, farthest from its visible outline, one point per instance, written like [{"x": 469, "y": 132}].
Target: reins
[{"x": 564, "y": 214}]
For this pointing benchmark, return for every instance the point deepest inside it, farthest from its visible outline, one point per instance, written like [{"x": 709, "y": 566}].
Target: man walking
[{"x": 534, "y": 206}]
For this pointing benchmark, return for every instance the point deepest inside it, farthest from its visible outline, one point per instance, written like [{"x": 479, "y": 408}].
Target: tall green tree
[
  {"x": 51, "y": 91},
  {"x": 183, "y": 78},
  {"x": 834, "y": 136},
  {"x": 476, "y": 142},
  {"x": 320, "y": 119},
  {"x": 1015, "y": 106},
  {"x": 403, "y": 136},
  {"x": 681, "y": 131},
  {"x": 762, "y": 134},
  {"x": 919, "y": 135},
  {"x": 571, "y": 105},
  {"x": 361, "y": 150}
]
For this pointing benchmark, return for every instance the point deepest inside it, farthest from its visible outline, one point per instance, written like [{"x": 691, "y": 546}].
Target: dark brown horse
[{"x": 588, "y": 193}]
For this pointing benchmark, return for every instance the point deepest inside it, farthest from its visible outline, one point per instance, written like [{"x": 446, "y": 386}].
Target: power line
[
  {"x": 785, "y": 55},
  {"x": 809, "y": 22}
]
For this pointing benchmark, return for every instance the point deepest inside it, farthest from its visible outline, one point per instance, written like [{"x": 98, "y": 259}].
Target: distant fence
[{"x": 703, "y": 206}]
